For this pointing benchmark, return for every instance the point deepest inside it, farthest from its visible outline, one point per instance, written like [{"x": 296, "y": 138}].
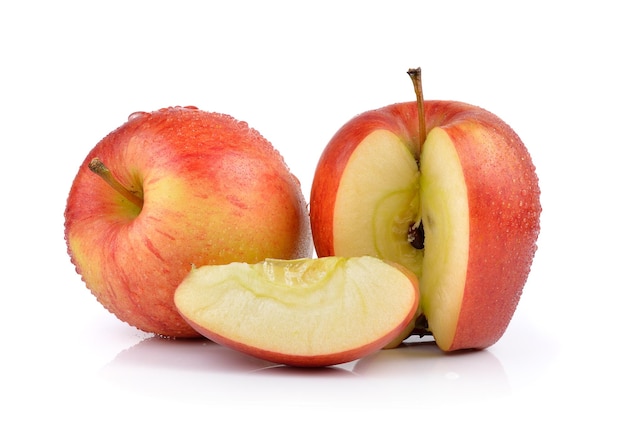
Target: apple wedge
[
  {"x": 446, "y": 189},
  {"x": 305, "y": 312}
]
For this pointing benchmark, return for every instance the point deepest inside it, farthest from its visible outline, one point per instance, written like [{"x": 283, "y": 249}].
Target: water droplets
[{"x": 137, "y": 115}]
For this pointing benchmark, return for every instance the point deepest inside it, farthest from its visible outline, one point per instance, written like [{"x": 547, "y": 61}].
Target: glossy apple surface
[
  {"x": 307, "y": 312},
  {"x": 460, "y": 210},
  {"x": 200, "y": 188}
]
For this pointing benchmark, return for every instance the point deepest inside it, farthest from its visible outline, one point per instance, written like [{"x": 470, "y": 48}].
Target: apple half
[
  {"x": 453, "y": 196},
  {"x": 304, "y": 312}
]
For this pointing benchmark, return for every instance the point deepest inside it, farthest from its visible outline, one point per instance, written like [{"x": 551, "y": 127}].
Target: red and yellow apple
[
  {"x": 305, "y": 312},
  {"x": 175, "y": 188},
  {"x": 446, "y": 189}
]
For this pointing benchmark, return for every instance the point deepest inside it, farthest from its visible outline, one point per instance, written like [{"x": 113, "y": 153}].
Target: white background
[{"x": 71, "y": 72}]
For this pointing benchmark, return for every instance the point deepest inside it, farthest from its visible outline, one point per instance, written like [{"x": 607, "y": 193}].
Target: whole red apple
[
  {"x": 448, "y": 190},
  {"x": 172, "y": 189}
]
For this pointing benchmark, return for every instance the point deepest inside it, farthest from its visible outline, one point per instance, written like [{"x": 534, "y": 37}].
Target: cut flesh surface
[
  {"x": 445, "y": 216},
  {"x": 381, "y": 177},
  {"x": 307, "y": 312}
]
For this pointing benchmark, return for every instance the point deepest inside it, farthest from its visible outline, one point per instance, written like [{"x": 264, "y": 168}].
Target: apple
[
  {"x": 305, "y": 312},
  {"x": 171, "y": 189},
  {"x": 446, "y": 189}
]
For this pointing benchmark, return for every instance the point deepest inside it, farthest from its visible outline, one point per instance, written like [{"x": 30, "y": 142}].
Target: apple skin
[
  {"x": 503, "y": 204},
  {"x": 302, "y": 361},
  {"x": 214, "y": 190}
]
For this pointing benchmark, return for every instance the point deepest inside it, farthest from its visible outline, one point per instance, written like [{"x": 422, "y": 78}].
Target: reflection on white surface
[
  {"x": 199, "y": 370},
  {"x": 456, "y": 376}
]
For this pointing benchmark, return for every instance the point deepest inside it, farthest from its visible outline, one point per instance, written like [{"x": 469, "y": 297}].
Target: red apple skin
[
  {"x": 320, "y": 360},
  {"x": 311, "y": 361},
  {"x": 215, "y": 191},
  {"x": 503, "y": 197}
]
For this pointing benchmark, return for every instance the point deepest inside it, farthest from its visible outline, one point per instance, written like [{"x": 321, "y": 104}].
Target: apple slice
[{"x": 305, "y": 312}]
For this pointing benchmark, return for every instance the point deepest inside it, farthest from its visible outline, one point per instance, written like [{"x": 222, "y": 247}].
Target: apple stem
[
  {"x": 416, "y": 77},
  {"x": 98, "y": 167}
]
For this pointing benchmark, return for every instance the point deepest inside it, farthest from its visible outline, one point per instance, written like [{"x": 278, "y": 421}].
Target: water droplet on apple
[{"x": 137, "y": 115}]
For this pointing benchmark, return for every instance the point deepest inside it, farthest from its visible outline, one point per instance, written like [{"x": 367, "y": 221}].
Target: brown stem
[
  {"x": 416, "y": 78},
  {"x": 98, "y": 167},
  {"x": 416, "y": 232}
]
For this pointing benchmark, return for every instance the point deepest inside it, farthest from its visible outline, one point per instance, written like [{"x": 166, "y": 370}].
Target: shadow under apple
[
  {"x": 199, "y": 354},
  {"x": 291, "y": 371},
  {"x": 177, "y": 369}
]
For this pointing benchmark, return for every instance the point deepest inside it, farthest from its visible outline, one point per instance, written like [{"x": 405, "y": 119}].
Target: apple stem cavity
[
  {"x": 416, "y": 77},
  {"x": 98, "y": 167}
]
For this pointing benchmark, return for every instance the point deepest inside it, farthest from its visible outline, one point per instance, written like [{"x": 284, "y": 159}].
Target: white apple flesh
[{"x": 306, "y": 312}]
